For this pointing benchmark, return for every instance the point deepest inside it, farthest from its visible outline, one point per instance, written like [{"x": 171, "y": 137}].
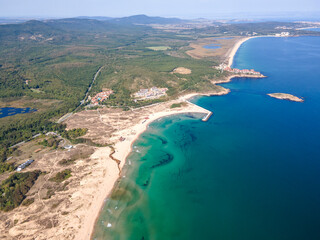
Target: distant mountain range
[
  {"x": 144, "y": 19},
  {"x": 136, "y": 19},
  {"x": 100, "y": 18},
  {"x": 42, "y": 30},
  {"x": 69, "y": 29}
]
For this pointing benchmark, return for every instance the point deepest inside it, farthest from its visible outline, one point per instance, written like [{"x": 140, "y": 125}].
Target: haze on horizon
[{"x": 166, "y": 8}]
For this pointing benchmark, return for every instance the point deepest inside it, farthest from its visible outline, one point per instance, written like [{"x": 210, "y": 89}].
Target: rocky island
[{"x": 285, "y": 96}]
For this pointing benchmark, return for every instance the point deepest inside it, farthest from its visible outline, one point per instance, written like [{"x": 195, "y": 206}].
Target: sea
[
  {"x": 313, "y": 29},
  {"x": 10, "y": 111},
  {"x": 251, "y": 172}
]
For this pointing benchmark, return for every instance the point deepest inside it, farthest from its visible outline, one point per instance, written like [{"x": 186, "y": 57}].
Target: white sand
[
  {"x": 122, "y": 150},
  {"x": 106, "y": 183},
  {"x": 233, "y": 51}
]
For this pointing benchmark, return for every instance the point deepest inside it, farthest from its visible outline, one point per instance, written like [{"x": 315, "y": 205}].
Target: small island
[{"x": 285, "y": 96}]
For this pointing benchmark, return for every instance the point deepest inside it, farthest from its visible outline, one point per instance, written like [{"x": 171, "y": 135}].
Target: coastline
[
  {"x": 157, "y": 194},
  {"x": 232, "y": 52},
  {"x": 230, "y": 77},
  {"x": 123, "y": 148},
  {"x": 108, "y": 181}
]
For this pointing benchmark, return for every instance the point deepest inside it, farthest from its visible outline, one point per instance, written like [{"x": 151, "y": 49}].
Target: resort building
[
  {"x": 24, "y": 165},
  {"x": 150, "y": 93},
  {"x": 101, "y": 96},
  {"x": 225, "y": 67},
  {"x": 283, "y": 34}
]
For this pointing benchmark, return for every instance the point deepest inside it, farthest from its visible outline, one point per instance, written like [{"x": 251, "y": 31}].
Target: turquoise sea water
[
  {"x": 251, "y": 172},
  {"x": 10, "y": 111}
]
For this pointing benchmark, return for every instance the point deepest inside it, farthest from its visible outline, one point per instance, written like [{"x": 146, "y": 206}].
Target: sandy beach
[
  {"x": 123, "y": 149},
  {"x": 232, "y": 52}
]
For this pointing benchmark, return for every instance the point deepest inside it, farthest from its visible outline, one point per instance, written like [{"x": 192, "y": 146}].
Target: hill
[
  {"x": 100, "y": 18},
  {"x": 30, "y": 28},
  {"x": 144, "y": 19}
]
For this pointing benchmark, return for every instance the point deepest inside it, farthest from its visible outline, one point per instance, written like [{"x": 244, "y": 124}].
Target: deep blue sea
[
  {"x": 252, "y": 172},
  {"x": 10, "y": 111}
]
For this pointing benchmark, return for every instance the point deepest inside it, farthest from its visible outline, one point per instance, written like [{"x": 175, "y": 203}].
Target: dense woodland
[{"x": 13, "y": 190}]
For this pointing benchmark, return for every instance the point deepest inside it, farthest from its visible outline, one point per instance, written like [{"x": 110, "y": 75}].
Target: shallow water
[{"x": 250, "y": 172}]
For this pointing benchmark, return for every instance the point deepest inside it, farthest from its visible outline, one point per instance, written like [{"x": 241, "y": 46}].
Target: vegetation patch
[
  {"x": 66, "y": 162},
  {"x": 6, "y": 167},
  {"x": 61, "y": 176},
  {"x": 13, "y": 190},
  {"x": 28, "y": 201},
  {"x": 50, "y": 193},
  {"x": 177, "y": 105},
  {"x": 75, "y": 133},
  {"x": 51, "y": 142}
]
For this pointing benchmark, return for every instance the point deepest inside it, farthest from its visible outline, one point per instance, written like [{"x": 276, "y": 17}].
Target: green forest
[{"x": 14, "y": 189}]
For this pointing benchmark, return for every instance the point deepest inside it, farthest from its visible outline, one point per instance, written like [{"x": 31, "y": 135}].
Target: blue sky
[{"x": 179, "y": 8}]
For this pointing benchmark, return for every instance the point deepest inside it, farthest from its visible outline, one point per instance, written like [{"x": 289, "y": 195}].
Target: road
[
  {"x": 90, "y": 86},
  {"x": 66, "y": 116}
]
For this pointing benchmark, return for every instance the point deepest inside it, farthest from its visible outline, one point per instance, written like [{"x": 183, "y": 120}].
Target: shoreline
[
  {"x": 96, "y": 207},
  {"x": 124, "y": 148},
  {"x": 229, "y": 78},
  {"x": 232, "y": 52}
]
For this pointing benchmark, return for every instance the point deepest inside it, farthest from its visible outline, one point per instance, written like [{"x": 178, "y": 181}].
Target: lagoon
[
  {"x": 10, "y": 111},
  {"x": 212, "y": 46}
]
